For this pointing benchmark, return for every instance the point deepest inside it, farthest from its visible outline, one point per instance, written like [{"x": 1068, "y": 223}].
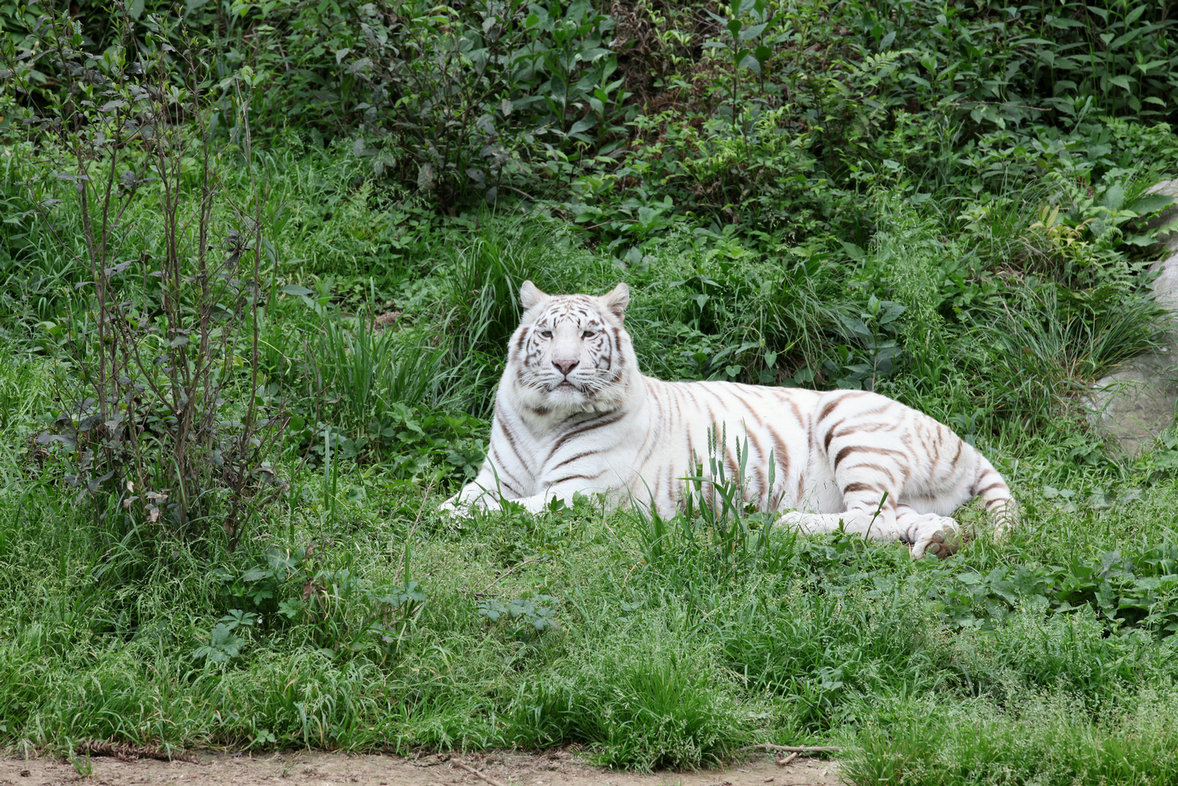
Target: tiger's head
[{"x": 571, "y": 353}]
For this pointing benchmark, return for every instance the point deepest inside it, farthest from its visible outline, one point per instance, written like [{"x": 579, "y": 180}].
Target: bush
[{"x": 164, "y": 428}]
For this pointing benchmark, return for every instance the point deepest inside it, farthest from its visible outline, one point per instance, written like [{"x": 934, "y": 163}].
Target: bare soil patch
[{"x": 336, "y": 769}]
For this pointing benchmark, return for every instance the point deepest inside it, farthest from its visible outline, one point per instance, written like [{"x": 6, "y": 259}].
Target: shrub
[{"x": 162, "y": 430}]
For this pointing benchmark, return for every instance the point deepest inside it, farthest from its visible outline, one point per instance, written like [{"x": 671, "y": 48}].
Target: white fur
[{"x": 573, "y": 414}]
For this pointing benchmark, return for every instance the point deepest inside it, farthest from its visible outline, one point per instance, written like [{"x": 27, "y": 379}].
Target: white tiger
[{"x": 573, "y": 414}]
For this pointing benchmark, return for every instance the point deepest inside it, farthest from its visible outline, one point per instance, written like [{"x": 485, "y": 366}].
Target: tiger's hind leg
[{"x": 928, "y": 533}]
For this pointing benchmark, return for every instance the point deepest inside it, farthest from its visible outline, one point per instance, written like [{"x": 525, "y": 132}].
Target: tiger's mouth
[{"x": 566, "y": 386}]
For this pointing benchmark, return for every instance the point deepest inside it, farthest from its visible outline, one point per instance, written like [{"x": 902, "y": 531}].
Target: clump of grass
[
  {"x": 1047, "y": 739},
  {"x": 651, "y": 695},
  {"x": 477, "y": 283},
  {"x": 367, "y": 371},
  {"x": 1046, "y": 346}
]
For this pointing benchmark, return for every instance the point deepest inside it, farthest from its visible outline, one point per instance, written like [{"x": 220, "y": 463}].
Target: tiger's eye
[
  {"x": 545, "y": 334},
  {"x": 589, "y": 334}
]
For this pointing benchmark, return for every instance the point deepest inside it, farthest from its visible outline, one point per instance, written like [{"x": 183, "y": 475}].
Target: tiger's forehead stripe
[{"x": 569, "y": 307}]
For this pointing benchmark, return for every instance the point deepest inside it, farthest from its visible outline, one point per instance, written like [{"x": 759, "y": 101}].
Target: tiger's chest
[
  {"x": 681, "y": 435},
  {"x": 597, "y": 451}
]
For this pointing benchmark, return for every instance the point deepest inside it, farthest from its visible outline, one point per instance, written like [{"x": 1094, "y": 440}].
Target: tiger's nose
[{"x": 565, "y": 366}]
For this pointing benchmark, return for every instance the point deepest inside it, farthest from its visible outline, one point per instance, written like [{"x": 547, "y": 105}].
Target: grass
[
  {"x": 832, "y": 642},
  {"x": 659, "y": 647},
  {"x": 649, "y": 663},
  {"x": 352, "y": 616},
  {"x": 1050, "y": 739}
]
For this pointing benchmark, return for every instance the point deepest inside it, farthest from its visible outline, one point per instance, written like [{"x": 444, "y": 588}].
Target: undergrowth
[{"x": 947, "y": 205}]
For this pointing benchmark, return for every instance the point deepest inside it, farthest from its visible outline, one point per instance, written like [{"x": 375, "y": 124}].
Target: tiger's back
[{"x": 573, "y": 414}]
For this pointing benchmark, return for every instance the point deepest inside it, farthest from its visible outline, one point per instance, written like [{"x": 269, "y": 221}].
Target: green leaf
[
  {"x": 1146, "y": 204},
  {"x": 1121, "y": 40},
  {"x": 752, "y": 32},
  {"x": 1114, "y": 197},
  {"x": 582, "y": 125},
  {"x": 1147, "y": 68},
  {"x": 290, "y": 608},
  {"x": 1122, "y": 82},
  {"x": 748, "y": 61}
]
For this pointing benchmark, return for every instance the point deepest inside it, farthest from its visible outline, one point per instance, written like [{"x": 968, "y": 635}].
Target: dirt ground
[{"x": 554, "y": 768}]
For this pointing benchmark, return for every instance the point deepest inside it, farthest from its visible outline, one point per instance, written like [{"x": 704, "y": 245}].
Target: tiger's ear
[
  {"x": 616, "y": 301},
  {"x": 530, "y": 295}
]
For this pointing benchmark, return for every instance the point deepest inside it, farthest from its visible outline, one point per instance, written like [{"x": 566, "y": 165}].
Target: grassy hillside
[{"x": 259, "y": 265}]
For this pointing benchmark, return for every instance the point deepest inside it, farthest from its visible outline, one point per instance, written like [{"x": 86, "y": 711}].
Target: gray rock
[{"x": 1137, "y": 402}]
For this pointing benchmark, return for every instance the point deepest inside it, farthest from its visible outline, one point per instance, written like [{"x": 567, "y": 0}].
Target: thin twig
[
  {"x": 126, "y": 751},
  {"x": 799, "y": 749},
  {"x": 429, "y": 489},
  {"x": 785, "y": 762},
  {"x": 474, "y": 772},
  {"x": 506, "y": 573}
]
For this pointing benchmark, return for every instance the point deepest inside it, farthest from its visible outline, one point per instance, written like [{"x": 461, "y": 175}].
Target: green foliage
[
  {"x": 1004, "y": 66},
  {"x": 455, "y": 101},
  {"x": 755, "y": 169},
  {"x": 1048, "y": 740},
  {"x": 1129, "y": 593},
  {"x": 717, "y": 537},
  {"x": 524, "y": 617},
  {"x": 946, "y": 204},
  {"x": 300, "y": 593},
  {"x": 223, "y": 644},
  {"x": 165, "y": 318}
]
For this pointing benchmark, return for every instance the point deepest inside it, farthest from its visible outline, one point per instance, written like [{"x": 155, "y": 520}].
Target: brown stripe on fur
[
  {"x": 606, "y": 420},
  {"x": 731, "y": 465},
  {"x": 503, "y": 474},
  {"x": 780, "y": 454},
  {"x": 885, "y": 470},
  {"x": 571, "y": 459},
  {"x": 735, "y": 393},
  {"x": 830, "y": 435},
  {"x": 511, "y": 442},
  {"x": 567, "y": 478},
  {"x": 839, "y": 398},
  {"x": 847, "y": 449},
  {"x": 877, "y": 426},
  {"x": 708, "y": 389},
  {"x": 799, "y": 416}
]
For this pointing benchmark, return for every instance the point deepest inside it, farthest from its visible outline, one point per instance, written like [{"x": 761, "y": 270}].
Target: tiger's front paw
[
  {"x": 456, "y": 507},
  {"x": 453, "y": 508}
]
